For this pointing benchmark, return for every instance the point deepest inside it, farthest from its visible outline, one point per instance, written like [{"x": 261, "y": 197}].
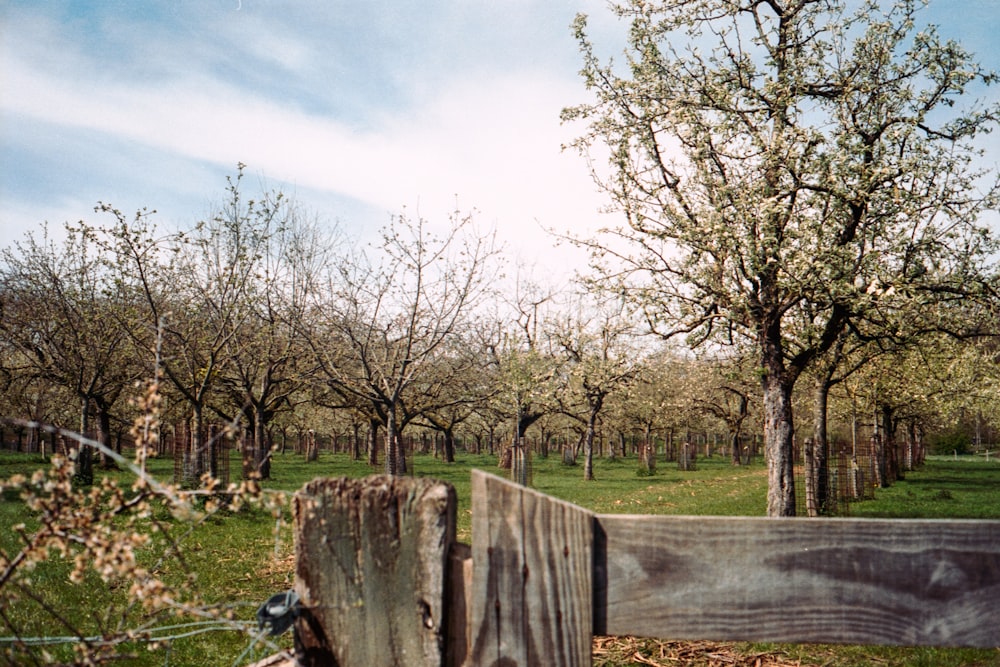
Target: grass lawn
[
  {"x": 240, "y": 559},
  {"x": 945, "y": 488}
]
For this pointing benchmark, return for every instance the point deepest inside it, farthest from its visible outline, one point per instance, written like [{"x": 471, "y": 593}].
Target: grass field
[{"x": 239, "y": 559}]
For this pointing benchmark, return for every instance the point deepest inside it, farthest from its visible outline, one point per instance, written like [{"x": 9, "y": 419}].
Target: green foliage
[{"x": 953, "y": 442}]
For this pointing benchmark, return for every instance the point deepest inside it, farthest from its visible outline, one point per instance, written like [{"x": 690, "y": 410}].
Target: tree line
[
  {"x": 802, "y": 198},
  {"x": 262, "y": 320}
]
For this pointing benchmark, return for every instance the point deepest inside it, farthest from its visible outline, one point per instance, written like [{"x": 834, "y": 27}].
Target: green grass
[
  {"x": 239, "y": 558},
  {"x": 714, "y": 488},
  {"x": 945, "y": 488}
]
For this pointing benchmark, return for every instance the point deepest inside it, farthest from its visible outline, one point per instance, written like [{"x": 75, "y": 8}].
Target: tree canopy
[{"x": 788, "y": 171}]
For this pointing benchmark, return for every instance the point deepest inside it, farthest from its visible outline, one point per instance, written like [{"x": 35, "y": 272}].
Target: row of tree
[
  {"x": 802, "y": 198},
  {"x": 260, "y": 319}
]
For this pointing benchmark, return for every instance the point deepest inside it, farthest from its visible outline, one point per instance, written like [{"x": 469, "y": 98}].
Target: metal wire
[{"x": 150, "y": 635}]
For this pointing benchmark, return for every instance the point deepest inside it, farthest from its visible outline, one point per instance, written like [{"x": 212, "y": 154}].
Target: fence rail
[{"x": 383, "y": 581}]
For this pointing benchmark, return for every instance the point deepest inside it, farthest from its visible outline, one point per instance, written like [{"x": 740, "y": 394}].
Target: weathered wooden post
[
  {"x": 371, "y": 564},
  {"x": 530, "y": 599},
  {"x": 382, "y": 581}
]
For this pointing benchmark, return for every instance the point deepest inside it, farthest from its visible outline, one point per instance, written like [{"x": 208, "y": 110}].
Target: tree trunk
[
  {"x": 519, "y": 461},
  {"x": 734, "y": 442},
  {"x": 687, "y": 455},
  {"x": 248, "y": 451},
  {"x": 879, "y": 453},
  {"x": 262, "y": 459},
  {"x": 449, "y": 446},
  {"x": 891, "y": 464},
  {"x": 393, "y": 464},
  {"x": 373, "y": 425},
  {"x": 568, "y": 454},
  {"x": 312, "y": 446},
  {"x": 817, "y": 474},
  {"x": 257, "y": 457},
  {"x": 735, "y": 428},
  {"x": 355, "y": 442},
  {"x": 809, "y": 456},
  {"x": 104, "y": 434},
  {"x": 916, "y": 451},
  {"x": 647, "y": 453},
  {"x": 193, "y": 450},
  {"x": 588, "y": 448},
  {"x": 506, "y": 458},
  {"x": 84, "y": 459},
  {"x": 778, "y": 441},
  {"x": 401, "y": 462}
]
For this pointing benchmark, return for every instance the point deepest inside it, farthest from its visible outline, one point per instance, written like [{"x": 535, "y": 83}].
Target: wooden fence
[{"x": 383, "y": 581}]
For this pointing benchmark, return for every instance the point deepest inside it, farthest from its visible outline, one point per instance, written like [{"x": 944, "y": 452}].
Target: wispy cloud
[
  {"x": 361, "y": 108},
  {"x": 489, "y": 142}
]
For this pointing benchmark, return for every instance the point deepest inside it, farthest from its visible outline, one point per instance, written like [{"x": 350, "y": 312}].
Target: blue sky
[{"x": 357, "y": 108}]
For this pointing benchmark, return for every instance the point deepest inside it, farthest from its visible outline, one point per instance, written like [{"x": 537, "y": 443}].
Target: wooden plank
[
  {"x": 459, "y": 602},
  {"x": 893, "y": 582},
  {"x": 371, "y": 557},
  {"x": 531, "y": 581}
]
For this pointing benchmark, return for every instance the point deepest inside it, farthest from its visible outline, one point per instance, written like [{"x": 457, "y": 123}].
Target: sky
[{"x": 360, "y": 109}]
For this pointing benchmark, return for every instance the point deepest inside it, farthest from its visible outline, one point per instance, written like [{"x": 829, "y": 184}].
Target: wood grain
[
  {"x": 531, "y": 598},
  {"x": 894, "y": 582},
  {"x": 371, "y": 558},
  {"x": 459, "y": 603},
  {"x": 383, "y": 582}
]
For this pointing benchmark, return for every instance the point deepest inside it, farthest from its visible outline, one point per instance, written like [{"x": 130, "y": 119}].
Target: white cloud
[
  {"x": 220, "y": 87},
  {"x": 380, "y": 105},
  {"x": 493, "y": 142}
]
